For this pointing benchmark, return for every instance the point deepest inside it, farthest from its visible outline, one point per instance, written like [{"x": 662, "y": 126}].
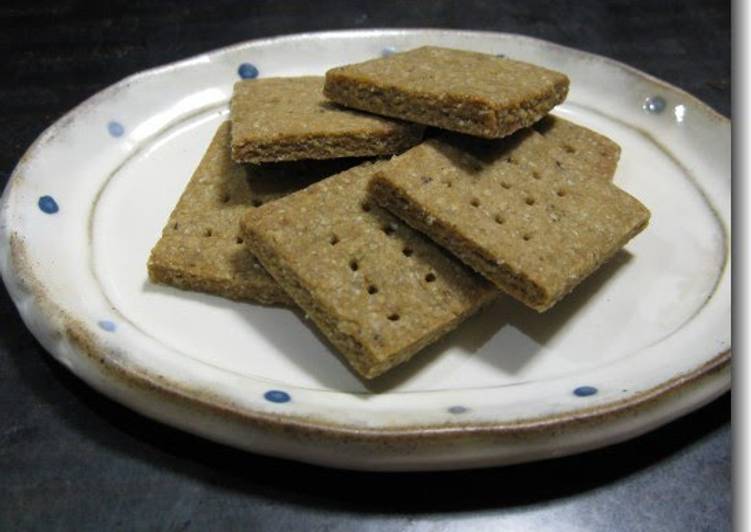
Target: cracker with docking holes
[
  {"x": 469, "y": 92},
  {"x": 288, "y": 119},
  {"x": 201, "y": 248},
  {"x": 376, "y": 288},
  {"x": 579, "y": 147},
  {"x": 529, "y": 221}
]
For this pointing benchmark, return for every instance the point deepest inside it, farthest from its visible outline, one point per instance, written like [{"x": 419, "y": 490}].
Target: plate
[{"x": 643, "y": 341}]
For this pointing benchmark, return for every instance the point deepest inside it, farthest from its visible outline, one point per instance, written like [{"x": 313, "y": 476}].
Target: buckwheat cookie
[
  {"x": 578, "y": 147},
  {"x": 288, "y": 119},
  {"x": 377, "y": 289},
  {"x": 468, "y": 92},
  {"x": 529, "y": 221},
  {"x": 201, "y": 247}
]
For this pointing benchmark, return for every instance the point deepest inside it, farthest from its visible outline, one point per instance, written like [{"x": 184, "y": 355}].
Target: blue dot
[
  {"x": 389, "y": 50},
  {"x": 277, "y": 396},
  {"x": 107, "y": 325},
  {"x": 457, "y": 409},
  {"x": 247, "y": 71},
  {"x": 48, "y": 204},
  {"x": 585, "y": 391},
  {"x": 116, "y": 129},
  {"x": 500, "y": 55},
  {"x": 654, "y": 104}
]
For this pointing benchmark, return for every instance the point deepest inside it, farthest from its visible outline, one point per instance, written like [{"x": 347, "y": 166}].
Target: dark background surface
[{"x": 71, "y": 459}]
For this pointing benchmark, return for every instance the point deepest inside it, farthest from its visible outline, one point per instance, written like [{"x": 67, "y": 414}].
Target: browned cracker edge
[
  {"x": 482, "y": 120},
  {"x": 329, "y": 147},
  {"x": 179, "y": 278}
]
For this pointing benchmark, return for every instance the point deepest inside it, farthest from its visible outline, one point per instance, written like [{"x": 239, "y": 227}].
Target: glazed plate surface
[{"x": 643, "y": 341}]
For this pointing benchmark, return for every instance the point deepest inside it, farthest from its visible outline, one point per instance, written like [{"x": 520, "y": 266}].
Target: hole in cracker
[
  {"x": 527, "y": 237},
  {"x": 511, "y": 160},
  {"x": 175, "y": 226},
  {"x": 559, "y": 164},
  {"x": 529, "y": 201},
  {"x": 505, "y": 185},
  {"x": 475, "y": 202},
  {"x": 499, "y": 219},
  {"x": 365, "y": 207},
  {"x": 449, "y": 184},
  {"x": 225, "y": 198},
  {"x": 407, "y": 252},
  {"x": 208, "y": 232},
  {"x": 372, "y": 289},
  {"x": 239, "y": 240},
  {"x": 334, "y": 240},
  {"x": 536, "y": 174},
  {"x": 388, "y": 229},
  {"x": 353, "y": 265},
  {"x": 256, "y": 202},
  {"x": 393, "y": 316},
  {"x": 568, "y": 148},
  {"x": 560, "y": 192},
  {"x": 426, "y": 179},
  {"x": 429, "y": 278}
]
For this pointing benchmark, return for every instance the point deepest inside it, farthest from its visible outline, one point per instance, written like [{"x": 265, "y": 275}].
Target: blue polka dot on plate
[
  {"x": 107, "y": 325},
  {"x": 115, "y": 129},
  {"x": 277, "y": 396},
  {"x": 389, "y": 50},
  {"x": 247, "y": 71},
  {"x": 458, "y": 409},
  {"x": 48, "y": 205},
  {"x": 585, "y": 391},
  {"x": 654, "y": 104}
]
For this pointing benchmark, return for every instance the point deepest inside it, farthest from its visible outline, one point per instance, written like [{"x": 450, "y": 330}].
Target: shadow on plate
[
  {"x": 312, "y": 353},
  {"x": 472, "y": 336}
]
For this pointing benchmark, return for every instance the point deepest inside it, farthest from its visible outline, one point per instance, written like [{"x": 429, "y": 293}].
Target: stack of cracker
[{"x": 296, "y": 203}]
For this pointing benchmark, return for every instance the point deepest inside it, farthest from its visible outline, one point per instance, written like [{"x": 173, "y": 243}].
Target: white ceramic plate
[{"x": 643, "y": 341}]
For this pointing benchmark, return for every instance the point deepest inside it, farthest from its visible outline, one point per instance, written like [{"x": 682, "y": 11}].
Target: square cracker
[
  {"x": 288, "y": 119},
  {"x": 201, "y": 248},
  {"x": 469, "y": 92},
  {"x": 377, "y": 289},
  {"x": 532, "y": 222}
]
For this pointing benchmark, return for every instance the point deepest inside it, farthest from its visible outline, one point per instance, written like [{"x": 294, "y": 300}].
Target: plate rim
[{"x": 31, "y": 299}]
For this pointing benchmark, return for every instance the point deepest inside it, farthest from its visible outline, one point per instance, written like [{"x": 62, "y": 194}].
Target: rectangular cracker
[
  {"x": 469, "y": 92},
  {"x": 288, "y": 119},
  {"x": 529, "y": 221},
  {"x": 377, "y": 289},
  {"x": 201, "y": 248}
]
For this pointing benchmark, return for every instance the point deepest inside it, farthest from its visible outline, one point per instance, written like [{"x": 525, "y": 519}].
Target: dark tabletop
[{"x": 71, "y": 459}]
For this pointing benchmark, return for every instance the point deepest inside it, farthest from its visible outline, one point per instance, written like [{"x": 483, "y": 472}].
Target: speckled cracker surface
[
  {"x": 201, "y": 247},
  {"x": 469, "y": 92},
  {"x": 581, "y": 150},
  {"x": 288, "y": 119},
  {"x": 376, "y": 288},
  {"x": 514, "y": 210}
]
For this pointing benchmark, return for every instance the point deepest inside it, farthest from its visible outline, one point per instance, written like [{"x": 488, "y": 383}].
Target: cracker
[
  {"x": 512, "y": 210},
  {"x": 468, "y": 92},
  {"x": 580, "y": 148},
  {"x": 377, "y": 289},
  {"x": 201, "y": 248},
  {"x": 288, "y": 119}
]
